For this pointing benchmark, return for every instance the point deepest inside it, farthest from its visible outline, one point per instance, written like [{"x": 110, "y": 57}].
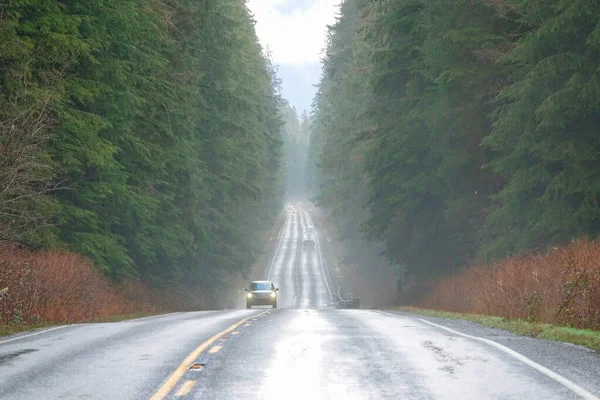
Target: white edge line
[
  {"x": 35, "y": 334},
  {"x": 153, "y": 316},
  {"x": 572, "y": 386},
  {"x": 66, "y": 326},
  {"x": 320, "y": 257},
  {"x": 287, "y": 220}
]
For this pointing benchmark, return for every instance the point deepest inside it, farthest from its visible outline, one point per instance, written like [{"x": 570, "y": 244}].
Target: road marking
[
  {"x": 66, "y": 326},
  {"x": 234, "y": 333},
  {"x": 35, "y": 334},
  {"x": 287, "y": 220},
  {"x": 215, "y": 349},
  {"x": 186, "y": 388},
  {"x": 320, "y": 257},
  {"x": 172, "y": 380},
  {"x": 572, "y": 386},
  {"x": 153, "y": 316}
]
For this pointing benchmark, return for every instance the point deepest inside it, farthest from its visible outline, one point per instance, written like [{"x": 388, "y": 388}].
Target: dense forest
[
  {"x": 149, "y": 135},
  {"x": 143, "y": 134},
  {"x": 449, "y": 132},
  {"x": 295, "y": 147}
]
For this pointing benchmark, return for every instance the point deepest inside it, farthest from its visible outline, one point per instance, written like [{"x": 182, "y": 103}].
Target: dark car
[
  {"x": 261, "y": 293},
  {"x": 308, "y": 243}
]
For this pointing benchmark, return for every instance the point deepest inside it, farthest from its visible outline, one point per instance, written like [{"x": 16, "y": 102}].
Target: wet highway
[
  {"x": 298, "y": 269},
  {"x": 306, "y": 349}
]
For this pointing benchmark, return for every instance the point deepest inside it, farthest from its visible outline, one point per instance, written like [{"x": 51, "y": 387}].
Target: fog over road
[
  {"x": 306, "y": 349},
  {"x": 297, "y": 269}
]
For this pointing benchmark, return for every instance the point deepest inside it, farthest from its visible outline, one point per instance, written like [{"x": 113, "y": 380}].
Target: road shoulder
[
  {"x": 577, "y": 363},
  {"x": 10, "y": 332}
]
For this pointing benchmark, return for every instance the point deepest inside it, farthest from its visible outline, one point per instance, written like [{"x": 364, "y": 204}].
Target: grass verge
[
  {"x": 9, "y": 329},
  {"x": 582, "y": 337}
]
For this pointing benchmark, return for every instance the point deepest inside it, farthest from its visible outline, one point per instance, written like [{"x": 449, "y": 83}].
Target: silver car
[{"x": 261, "y": 293}]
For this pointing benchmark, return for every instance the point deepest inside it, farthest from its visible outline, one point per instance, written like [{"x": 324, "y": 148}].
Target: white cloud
[{"x": 295, "y": 38}]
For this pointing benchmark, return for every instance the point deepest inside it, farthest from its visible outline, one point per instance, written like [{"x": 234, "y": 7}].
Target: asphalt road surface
[
  {"x": 298, "y": 269},
  {"x": 306, "y": 349}
]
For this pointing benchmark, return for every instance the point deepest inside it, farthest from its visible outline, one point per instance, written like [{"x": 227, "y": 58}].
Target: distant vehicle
[
  {"x": 310, "y": 229},
  {"x": 308, "y": 243},
  {"x": 261, "y": 293}
]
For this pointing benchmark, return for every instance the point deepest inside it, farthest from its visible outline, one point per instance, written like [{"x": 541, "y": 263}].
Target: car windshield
[{"x": 260, "y": 286}]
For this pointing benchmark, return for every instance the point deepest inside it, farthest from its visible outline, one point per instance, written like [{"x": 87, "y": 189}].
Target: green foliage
[
  {"x": 295, "y": 149},
  {"x": 336, "y": 161},
  {"x": 546, "y": 132},
  {"x": 405, "y": 88},
  {"x": 459, "y": 130},
  {"x": 432, "y": 97},
  {"x": 162, "y": 128}
]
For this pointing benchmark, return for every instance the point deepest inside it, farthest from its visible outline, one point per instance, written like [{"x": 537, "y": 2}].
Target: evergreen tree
[
  {"x": 295, "y": 137},
  {"x": 402, "y": 110},
  {"x": 545, "y": 132},
  {"x": 158, "y": 118}
]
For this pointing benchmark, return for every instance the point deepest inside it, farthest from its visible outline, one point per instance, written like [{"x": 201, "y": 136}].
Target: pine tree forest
[
  {"x": 151, "y": 137},
  {"x": 143, "y": 134},
  {"x": 462, "y": 131}
]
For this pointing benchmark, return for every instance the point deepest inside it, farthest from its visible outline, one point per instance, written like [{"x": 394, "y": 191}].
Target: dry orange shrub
[
  {"x": 60, "y": 286},
  {"x": 559, "y": 286}
]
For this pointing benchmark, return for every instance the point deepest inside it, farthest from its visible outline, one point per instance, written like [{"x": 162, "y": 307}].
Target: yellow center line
[
  {"x": 172, "y": 380},
  {"x": 185, "y": 388},
  {"x": 215, "y": 349}
]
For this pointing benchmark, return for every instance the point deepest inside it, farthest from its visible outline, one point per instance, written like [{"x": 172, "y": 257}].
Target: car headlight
[
  {"x": 273, "y": 295},
  {"x": 249, "y": 295}
]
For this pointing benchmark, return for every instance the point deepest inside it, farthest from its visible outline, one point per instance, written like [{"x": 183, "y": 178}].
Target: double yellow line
[{"x": 170, "y": 383}]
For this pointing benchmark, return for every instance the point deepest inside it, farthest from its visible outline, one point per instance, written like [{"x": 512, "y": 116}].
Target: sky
[{"x": 294, "y": 31}]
